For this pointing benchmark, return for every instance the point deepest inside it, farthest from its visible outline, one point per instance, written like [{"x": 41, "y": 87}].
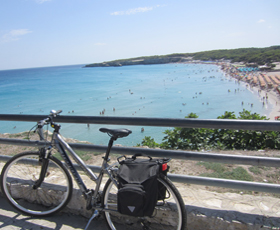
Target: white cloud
[
  {"x": 139, "y": 10},
  {"x": 15, "y": 35},
  {"x": 261, "y": 21},
  {"x": 135, "y": 10}
]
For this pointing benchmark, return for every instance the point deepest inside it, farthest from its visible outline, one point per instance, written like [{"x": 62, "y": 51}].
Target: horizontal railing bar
[
  {"x": 198, "y": 156},
  {"x": 226, "y": 183},
  {"x": 158, "y": 122},
  {"x": 208, "y": 181},
  {"x": 174, "y": 154},
  {"x": 11, "y": 141}
]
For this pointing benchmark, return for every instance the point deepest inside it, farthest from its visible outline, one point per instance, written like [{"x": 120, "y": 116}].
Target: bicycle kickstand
[{"x": 95, "y": 214}]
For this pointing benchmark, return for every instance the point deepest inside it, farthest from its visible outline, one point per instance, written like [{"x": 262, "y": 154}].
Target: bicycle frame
[
  {"x": 61, "y": 145},
  {"x": 38, "y": 184}
]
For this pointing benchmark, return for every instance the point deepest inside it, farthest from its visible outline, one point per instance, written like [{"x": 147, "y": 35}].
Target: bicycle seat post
[
  {"x": 114, "y": 134},
  {"x": 110, "y": 144}
]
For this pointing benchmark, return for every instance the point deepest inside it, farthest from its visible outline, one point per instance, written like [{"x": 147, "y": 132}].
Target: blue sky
[{"x": 37, "y": 33}]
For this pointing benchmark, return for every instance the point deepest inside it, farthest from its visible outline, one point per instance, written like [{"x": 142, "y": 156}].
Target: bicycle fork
[{"x": 44, "y": 154}]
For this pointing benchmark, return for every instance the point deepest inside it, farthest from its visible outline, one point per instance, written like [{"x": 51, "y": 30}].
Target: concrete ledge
[
  {"x": 202, "y": 218},
  {"x": 199, "y": 217}
]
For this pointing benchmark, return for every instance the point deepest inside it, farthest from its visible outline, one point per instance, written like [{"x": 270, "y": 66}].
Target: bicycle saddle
[{"x": 116, "y": 133}]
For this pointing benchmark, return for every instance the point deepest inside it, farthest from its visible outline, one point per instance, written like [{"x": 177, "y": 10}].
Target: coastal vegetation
[
  {"x": 224, "y": 139},
  {"x": 249, "y": 56},
  {"x": 260, "y": 56}
]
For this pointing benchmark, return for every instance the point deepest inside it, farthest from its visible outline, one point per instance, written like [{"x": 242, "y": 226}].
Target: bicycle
[{"x": 38, "y": 184}]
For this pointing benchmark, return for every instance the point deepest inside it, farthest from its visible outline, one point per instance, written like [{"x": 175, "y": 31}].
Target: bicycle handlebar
[
  {"x": 43, "y": 122},
  {"x": 46, "y": 121},
  {"x": 49, "y": 118}
]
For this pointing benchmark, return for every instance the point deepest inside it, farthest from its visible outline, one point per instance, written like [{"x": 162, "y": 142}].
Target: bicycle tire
[
  {"x": 170, "y": 214},
  {"x": 18, "y": 177}
]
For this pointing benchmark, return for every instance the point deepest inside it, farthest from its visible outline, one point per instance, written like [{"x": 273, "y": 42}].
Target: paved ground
[
  {"x": 206, "y": 210},
  {"x": 230, "y": 210},
  {"x": 10, "y": 219}
]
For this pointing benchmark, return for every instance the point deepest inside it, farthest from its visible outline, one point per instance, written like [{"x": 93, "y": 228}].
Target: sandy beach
[
  {"x": 261, "y": 82},
  {"x": 274, "y": 98}
]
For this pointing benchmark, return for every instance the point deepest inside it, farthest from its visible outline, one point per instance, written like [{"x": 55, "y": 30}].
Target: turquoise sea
[{"x": 169, "y": 91}]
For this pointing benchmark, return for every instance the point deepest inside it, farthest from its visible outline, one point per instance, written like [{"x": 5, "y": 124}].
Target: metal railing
[{"x": 174, "y": 154}]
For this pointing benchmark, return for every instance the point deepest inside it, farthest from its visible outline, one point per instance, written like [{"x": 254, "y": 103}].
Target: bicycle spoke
[{"x": 21, "y": 173}]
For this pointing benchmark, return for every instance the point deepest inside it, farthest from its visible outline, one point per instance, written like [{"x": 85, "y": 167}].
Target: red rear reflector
[{"x": 164, "y": 167}]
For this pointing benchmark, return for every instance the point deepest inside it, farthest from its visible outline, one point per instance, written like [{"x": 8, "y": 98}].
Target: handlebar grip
[
  {"x": 41, "y": 134},
  {"x": 43, "y": 122}
]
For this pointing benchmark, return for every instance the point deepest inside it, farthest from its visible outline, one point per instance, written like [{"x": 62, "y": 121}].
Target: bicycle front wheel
[
  {"x": 20, "y": 174},
  {"x": 169, "y": 214}
]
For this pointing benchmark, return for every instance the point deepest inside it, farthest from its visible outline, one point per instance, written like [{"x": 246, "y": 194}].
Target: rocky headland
[
  {"x": 256, "y": 56},
  {"x": 140, "y": 61}
]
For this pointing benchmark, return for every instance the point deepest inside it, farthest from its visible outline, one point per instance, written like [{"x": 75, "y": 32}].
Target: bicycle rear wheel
[
  {"x": 169, "y": 214},
  {"x": 19, "y": 175}
]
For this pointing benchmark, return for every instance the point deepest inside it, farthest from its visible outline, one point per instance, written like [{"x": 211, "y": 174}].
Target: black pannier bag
[{"x": 138, "y": 187}]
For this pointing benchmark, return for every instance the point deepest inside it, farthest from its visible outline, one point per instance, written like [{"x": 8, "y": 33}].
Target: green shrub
[
  {"x": 202, "y": 138},
  {"x": 149, "y": 141}
]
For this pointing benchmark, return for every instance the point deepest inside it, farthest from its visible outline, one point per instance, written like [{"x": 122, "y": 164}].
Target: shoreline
[
  {"x": 275, "y": 97},
  {"x": 268, "y": 93}
]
